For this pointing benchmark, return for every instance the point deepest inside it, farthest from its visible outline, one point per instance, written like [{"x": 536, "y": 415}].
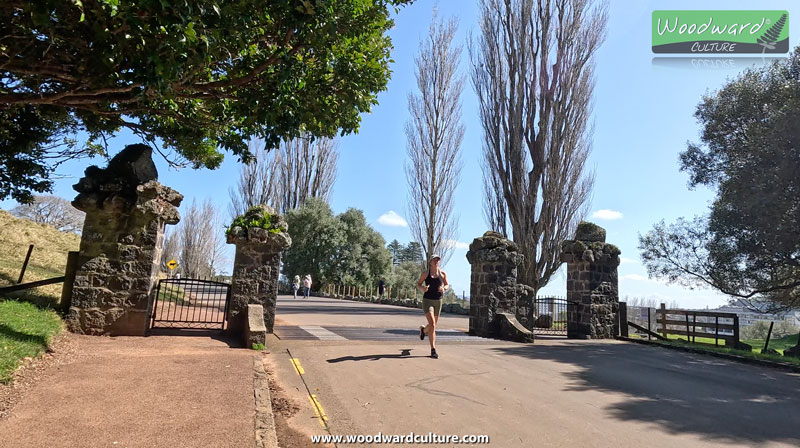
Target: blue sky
[{"x": 643, "y": 117}]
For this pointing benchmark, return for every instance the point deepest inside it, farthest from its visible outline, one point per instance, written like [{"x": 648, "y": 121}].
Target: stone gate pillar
[
  {"x": 120, "y": 252},
  {"x": 592, "y": 283},
  {"x": 256, "y": 266},
  {"x": 498, "y": 305}
]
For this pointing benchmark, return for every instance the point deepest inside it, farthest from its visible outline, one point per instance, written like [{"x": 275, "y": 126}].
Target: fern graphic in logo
[
  {"x": 770, "y": 38},
  {"x": 720, "y": 32}
]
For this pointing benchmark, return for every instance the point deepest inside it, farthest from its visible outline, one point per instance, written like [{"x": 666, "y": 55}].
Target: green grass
[
  {"x": 173, "y": 293},
  {"x": 25, "y": 331},
  {"x": 779, "y": 344},
  {"x": 755, "y": 354}
]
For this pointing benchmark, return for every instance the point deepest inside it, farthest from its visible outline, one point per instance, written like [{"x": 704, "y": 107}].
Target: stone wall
[
  {"x": 592, "y": 284},
  {"x": 499, "y": 306},
  {"x": 256, "y": 269},
  {"x": 120, "y": 251}
]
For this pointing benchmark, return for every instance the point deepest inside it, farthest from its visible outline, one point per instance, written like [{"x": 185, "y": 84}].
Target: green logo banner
[{"x": 720, "y": 32}]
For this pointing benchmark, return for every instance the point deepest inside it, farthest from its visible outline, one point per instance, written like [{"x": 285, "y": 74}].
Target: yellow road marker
[
  {"x": 318, "y": 411},
  {"x": 297, "y": 367}
]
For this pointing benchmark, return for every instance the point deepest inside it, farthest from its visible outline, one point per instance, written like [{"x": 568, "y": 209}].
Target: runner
[{"x": 433, "y": 284}]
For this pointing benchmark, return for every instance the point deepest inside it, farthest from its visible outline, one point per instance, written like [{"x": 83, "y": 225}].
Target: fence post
[
  {"x": 25, "y": 264},
  {"x": 688, "y": 333},
  {"x": 663, "y": 320},
  {"x": 649, "y": 325},
  {"x": 69, "y": 280},
  {"x": 716, "y": 331},
  {"x": 735, "y": 331},
  {"x": 622, "y": 316},
  {"x": 769, "y": 334}
]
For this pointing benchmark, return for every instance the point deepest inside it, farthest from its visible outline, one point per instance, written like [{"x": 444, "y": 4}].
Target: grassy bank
[
  {"x": 783, "y": 343},
  {"x": 25, "y": 331},
  {"x": 779, "y": 344},
  {"x": 48, "y": 260}
]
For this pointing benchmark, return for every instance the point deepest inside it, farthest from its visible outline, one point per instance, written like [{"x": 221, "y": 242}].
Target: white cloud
[
  {"x": 392, "y": 219},
  {"x": 456, "y": 244},
  {"x": 627, "y": 260},
  {"x": 636, "y": 277},
  {"x": 607, "y": 214}
]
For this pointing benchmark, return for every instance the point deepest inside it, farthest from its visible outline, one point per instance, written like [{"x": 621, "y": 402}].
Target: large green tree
[
  {"x": 341, "y": 249},
  {"x": 316, "y": 238},
  {"x": 198, "y": 76},
  {"x": 748, "y": 246}
]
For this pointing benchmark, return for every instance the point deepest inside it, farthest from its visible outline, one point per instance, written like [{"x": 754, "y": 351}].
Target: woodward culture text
[{"x": 410, "y": 438}]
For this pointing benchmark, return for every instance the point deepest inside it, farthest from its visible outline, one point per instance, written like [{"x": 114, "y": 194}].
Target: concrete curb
[
  {"x": 700, "y": 351},
  {"x": 264, "y": 421}
]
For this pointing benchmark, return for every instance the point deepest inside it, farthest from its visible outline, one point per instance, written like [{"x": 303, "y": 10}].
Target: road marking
[
  {"x": 321, "y": 333},
  {"x": 297, "y": 367},
  {"x": 318, "y": 411}
]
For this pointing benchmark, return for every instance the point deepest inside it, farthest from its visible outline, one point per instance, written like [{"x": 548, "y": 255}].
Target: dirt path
[{"x": 159, "y": 391}]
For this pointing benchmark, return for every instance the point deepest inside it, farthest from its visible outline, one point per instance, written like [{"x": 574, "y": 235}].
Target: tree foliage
[
  {"x": 339, "y": 249},
  {"x": 409, "y": 253},
  {"x": 434, "y": 134},
  {"x": 286, "y": 177},
  {"x": 198, "y": 241},
  {"x": 533, "y": 73},
  {"x": 53, "y": 211},
  {"x": 198, "y": 76},
  {"x": 748, "y": 245}
]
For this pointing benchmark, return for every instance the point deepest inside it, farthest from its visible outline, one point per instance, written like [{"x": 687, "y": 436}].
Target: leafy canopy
[
  {"x": 748, "y": 245},
  {"x": 199, "y": 75},
  {"x": 334, "y": 249}
]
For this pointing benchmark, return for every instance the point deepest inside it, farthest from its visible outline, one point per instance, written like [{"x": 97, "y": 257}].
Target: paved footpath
[
  {"x": 369, "y": 374},
  {"x": 158, "y": 391}
]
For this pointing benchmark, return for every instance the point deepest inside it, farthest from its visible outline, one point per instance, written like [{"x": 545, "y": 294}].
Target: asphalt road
[{"x": 370, "y": 373}]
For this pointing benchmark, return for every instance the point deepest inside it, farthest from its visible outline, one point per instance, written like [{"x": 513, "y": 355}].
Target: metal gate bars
[
  {"x": 191, "y": 303},
  {"x": 550, "y": 316}
]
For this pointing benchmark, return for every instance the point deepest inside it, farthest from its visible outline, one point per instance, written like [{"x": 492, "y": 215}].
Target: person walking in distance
[
  {"x": 296, "y": 285},
  {"x": 433, "y": 284},
  {"x": 307, "y": 285}
]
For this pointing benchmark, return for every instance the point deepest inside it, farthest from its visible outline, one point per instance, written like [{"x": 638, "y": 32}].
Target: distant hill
[{"x": 49, "y": 258}]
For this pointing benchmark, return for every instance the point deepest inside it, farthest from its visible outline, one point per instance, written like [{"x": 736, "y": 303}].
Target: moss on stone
[
  {"x": 588, "y": 231},
  {"x": 258, "y": 217}
]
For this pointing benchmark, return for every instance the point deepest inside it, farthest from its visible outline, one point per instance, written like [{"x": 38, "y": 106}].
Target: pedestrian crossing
[{"x": 336, "y": 333}]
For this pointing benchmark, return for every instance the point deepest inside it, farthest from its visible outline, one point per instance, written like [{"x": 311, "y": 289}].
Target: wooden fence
[{"x": 704, "y": 324}]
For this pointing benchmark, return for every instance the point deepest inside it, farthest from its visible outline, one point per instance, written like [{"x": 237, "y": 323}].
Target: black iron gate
[
  {"x": 191, "y": 303},
  {"x": 550, "y": 316}
]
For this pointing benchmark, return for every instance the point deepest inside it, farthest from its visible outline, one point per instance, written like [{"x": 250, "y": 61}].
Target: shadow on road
[
  {"x": 404, "y": 354},
  {"x": 217, "y": 335},
  {"x": 683, "y": 393},
  {"x": 284, "y": 308}
]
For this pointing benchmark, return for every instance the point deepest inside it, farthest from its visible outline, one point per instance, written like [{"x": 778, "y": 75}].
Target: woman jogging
[
  {"x": 307, "y": 284},
  {"x": 433, "y": 284},
  {"x": 296, "y": 285}
]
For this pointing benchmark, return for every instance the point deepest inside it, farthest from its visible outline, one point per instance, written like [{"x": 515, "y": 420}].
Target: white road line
[{"x": 321, "y": 333}]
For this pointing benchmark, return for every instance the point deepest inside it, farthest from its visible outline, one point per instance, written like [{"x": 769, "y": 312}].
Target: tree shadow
[
  {"x": 285, "y": 309},
  {"x": 681, "y": 392},
  {"x": 404, "y": 354},
  {"x": 22, "y": 337}
]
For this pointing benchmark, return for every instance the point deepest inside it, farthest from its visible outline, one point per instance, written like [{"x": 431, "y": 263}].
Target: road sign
[{"x": 172, "y": 264}]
